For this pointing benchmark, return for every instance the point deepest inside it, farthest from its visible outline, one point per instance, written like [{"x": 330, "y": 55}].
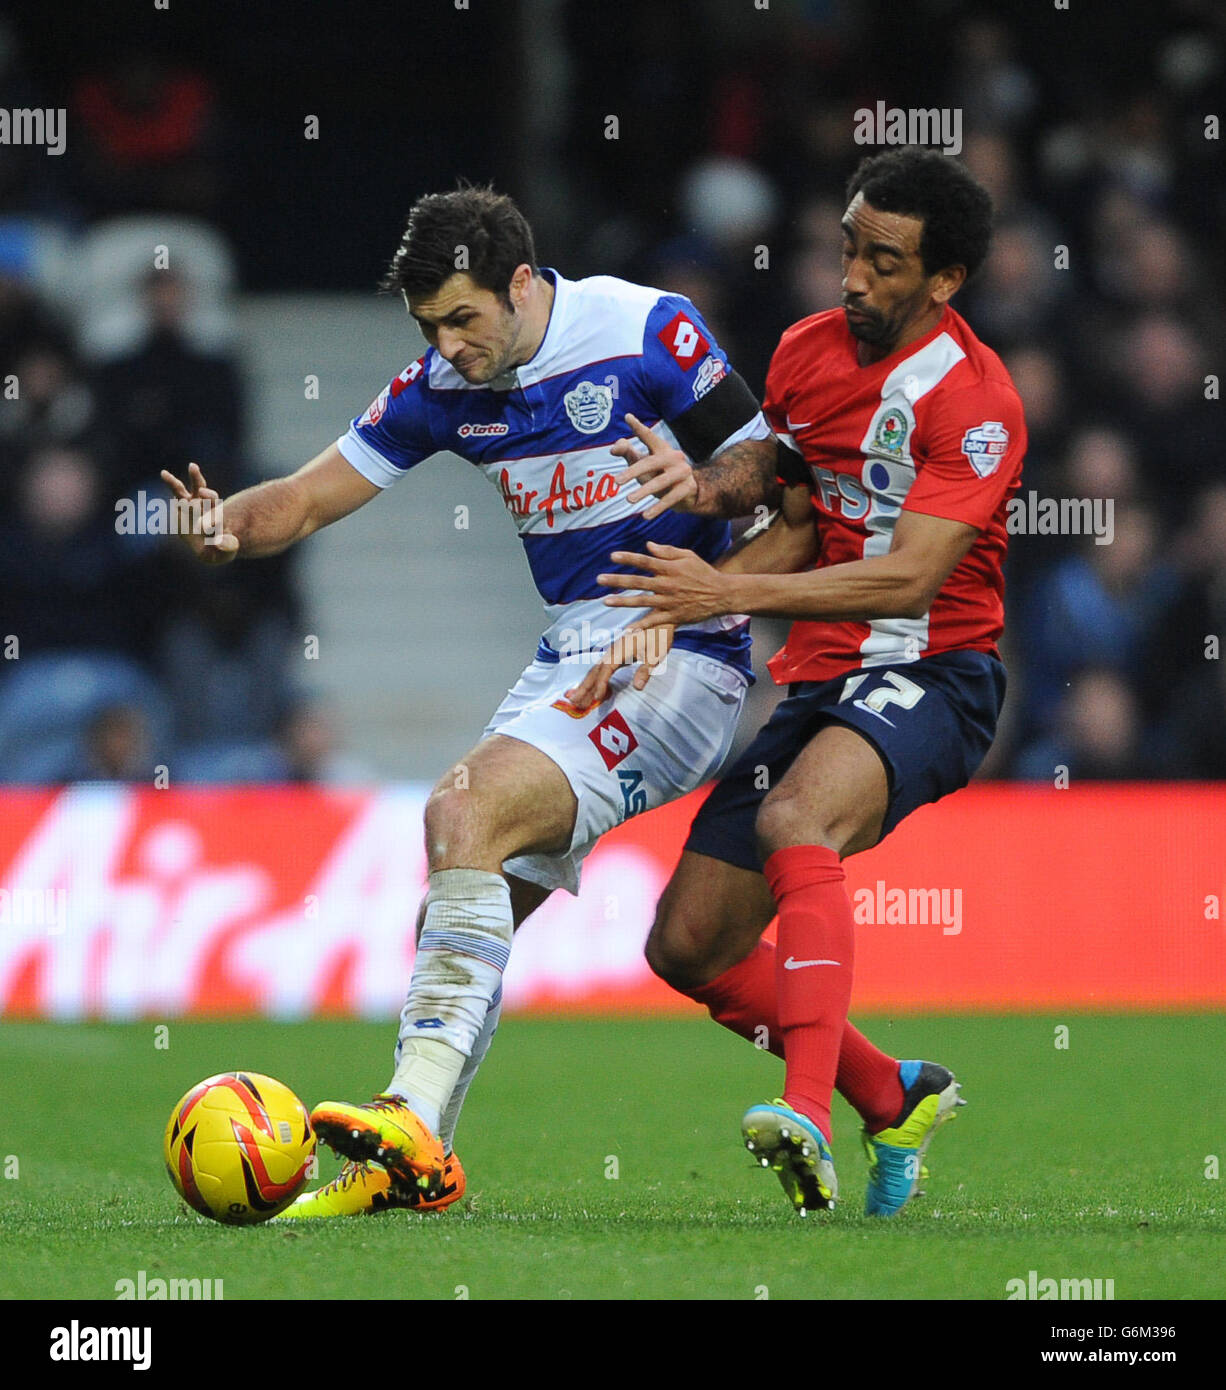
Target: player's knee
[
  {"x": 674, "y": 967},
  {"x": 675, "y": 950},
  {"x": 453, "y": 825},
  {"x": 782, "y": 822}
]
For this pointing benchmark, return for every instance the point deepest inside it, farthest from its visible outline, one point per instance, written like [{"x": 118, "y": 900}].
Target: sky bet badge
[{"x": 985, "y": 446}]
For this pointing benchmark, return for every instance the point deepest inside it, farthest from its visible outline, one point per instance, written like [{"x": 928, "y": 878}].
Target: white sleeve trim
[
  {"x": 369, "y": 462},
  {"x": 757, "y": 428}
]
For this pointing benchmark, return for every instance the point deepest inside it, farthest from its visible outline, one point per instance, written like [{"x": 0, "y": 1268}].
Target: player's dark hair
[
  {"x": 471, "y": 230},
  {"x": 956, "y": 210}
]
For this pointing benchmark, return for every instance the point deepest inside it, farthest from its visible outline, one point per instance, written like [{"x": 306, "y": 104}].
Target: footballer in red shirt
[{"x": 899, "y": 441}]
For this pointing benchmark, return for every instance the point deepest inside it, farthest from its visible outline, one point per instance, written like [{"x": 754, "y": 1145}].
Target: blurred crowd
[
  {"x": 121, "y": 656},
  {"x": 1103, "y": 295}
]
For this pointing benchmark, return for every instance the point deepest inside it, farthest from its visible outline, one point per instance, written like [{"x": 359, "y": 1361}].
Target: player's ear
[
  {"x": 521, "y": 281},
  {"x": 946, "y": 283}
]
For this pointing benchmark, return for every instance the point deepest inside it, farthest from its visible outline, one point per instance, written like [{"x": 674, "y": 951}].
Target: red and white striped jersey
[{"x": 936, "y": 427}]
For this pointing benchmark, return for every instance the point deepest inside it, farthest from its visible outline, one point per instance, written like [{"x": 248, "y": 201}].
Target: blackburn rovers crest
[
  {"x": 589, "y": 406},
  {"x": 891, "y": 432}
]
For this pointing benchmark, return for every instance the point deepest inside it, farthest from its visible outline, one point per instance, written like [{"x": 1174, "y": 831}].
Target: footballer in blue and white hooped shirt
[
  {"x": 541, "y": 432},
  {"x": 529, "y": 376}
]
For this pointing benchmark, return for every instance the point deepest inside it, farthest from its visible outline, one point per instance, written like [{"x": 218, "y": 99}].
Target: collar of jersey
[
  {"x": 537, "y": 366},
  {"x": 899, "y": 354}
]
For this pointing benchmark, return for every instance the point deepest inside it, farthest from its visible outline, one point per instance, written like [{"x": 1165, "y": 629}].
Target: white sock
[
  {"x": 451, "y": 1115},
  {"x": 465, "y": 942}
]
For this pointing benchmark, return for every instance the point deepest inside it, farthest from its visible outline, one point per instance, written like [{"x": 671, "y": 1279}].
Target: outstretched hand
[
  {"x": 198, "y": 518},
  {"x": 662, "y": 471},
  {"x": 679, "y": 586}
]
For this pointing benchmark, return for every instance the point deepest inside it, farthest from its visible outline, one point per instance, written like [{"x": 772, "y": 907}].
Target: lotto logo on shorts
[
  {"x": 684, "y": 341},
  {"x": 613, "y": 739}
]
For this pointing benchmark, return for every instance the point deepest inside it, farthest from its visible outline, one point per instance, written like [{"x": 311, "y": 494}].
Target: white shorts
[{"x": 636, "y": 750}]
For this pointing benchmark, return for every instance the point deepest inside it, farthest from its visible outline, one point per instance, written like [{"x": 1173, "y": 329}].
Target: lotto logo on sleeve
[
  {"x": 613, "y": 739},
  {"x": 684, "y": 341},
  {"x": 408, "y": 376},
  {"x": 985, "y": 446}
]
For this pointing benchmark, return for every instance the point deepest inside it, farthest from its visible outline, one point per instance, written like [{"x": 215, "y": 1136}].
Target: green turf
[{"x": 1084, "y": 1162}]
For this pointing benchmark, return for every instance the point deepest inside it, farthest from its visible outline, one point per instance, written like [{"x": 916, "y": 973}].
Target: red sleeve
[{"x": 970, "y": 453}]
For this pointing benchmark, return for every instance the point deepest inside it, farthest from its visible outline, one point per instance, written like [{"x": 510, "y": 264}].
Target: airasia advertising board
[{"x": 120, "y": 902}]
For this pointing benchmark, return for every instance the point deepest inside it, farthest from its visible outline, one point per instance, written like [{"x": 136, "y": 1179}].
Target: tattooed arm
[
  {"x": 735, "y": 482},
  {"x": 739, "y": 481}
]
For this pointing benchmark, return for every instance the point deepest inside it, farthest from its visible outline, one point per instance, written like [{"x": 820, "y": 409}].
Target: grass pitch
[{"x": 604, "y": 1161}]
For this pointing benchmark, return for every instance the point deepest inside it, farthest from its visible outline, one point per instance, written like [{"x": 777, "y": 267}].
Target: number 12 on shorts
[{"x": 895, "y": 690}]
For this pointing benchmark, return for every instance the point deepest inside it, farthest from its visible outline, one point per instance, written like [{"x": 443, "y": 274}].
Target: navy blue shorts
[{"x": 931, "y": 722}]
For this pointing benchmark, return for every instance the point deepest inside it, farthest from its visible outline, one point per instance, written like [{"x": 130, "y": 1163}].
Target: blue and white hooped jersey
[{"x": 542, "y": 433}]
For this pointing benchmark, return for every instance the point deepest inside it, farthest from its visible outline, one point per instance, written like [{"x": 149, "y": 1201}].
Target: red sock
[
  {"x": 745, "y": 999},
  {"x": 815, "y": 926},
  {"x": 869, "y": 1080}
]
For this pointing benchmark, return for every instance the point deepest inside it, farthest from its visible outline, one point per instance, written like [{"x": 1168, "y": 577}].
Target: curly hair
[{"x": 956, "y": 210}]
